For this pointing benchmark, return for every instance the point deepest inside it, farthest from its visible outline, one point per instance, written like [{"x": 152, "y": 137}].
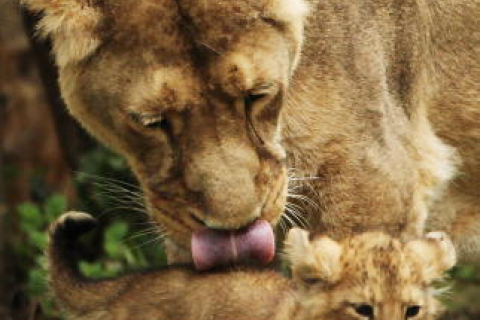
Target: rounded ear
[
  {"x": 316, "y": 261},
  {"x": 287, "y": 10},
  {"x": 294, "y": 13},
  {"x": 72, "y": 25},
  {"x": 435, "y": 253}
]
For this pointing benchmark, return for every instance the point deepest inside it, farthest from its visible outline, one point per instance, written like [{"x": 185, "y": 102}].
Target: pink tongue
[{"x": 217, "y": 247}]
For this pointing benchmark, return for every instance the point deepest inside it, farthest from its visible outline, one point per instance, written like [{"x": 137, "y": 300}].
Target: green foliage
[
  {"x": 103, "y": 181},
  {"x": 119, "y": 254},
  {"x": 107, "y": 189},
  {"x": 466, "y": 272},
  {"x": 34, "y": 221},
  {"x": 100, "y": 169},
  {"x": 462, "y": 301}
]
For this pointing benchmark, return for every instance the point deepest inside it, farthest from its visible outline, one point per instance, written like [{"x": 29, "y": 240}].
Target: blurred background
[{"x": 48, "y": 165}]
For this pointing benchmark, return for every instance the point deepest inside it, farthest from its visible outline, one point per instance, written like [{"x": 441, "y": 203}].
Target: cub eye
[
  {"x": 364, "y": 310},
  {"x": 412, "y": 311},
  {"x": 311, "y": 280}
]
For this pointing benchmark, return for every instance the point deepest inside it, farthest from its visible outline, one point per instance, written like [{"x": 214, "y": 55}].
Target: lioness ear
[
  {"x": 72, "y": 25},
  {"x": 285, "y": 10},
  {"x": 436, "y": 254},
  {"x": 315, "y": 261},
  {"x": 293, "y": 13}
]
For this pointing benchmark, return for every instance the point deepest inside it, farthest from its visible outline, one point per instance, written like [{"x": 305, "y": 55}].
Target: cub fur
[{"x": 368, "y": 276}]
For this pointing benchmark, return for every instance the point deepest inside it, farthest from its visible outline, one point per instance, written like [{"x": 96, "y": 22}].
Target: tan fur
[
  {"x": 330, "y": 280},
  {"x": 382, "y": 108},
  {"x": 368, "y": 269},
  {"x": 394, "y": 94}
]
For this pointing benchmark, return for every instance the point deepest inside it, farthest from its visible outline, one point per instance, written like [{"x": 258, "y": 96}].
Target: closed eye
[
  {"x": 152, "y": 121},
  {"x": 261, "y": 92},
  {"x": 252, "y": 98},
  {"x": 249, "y": 101},
  {"x": 161, "y": 124}
]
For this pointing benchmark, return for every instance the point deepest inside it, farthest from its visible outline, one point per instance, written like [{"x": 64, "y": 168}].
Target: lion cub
[{"x": 369, "y": 276}]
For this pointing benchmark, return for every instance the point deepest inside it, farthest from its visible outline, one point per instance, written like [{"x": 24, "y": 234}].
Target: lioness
[
  {"x": 209, "y": 100},
  {"x": 369, "y": 276}
]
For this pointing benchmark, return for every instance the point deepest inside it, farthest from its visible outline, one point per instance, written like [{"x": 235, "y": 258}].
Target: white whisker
[
  {"x": 143, "y": 233},
  {"x": 289, "y": 220},
  {"x": 156, "y": 240},
  {"x": 298, "y": 217},
  {"x": 108, "y": 179}
]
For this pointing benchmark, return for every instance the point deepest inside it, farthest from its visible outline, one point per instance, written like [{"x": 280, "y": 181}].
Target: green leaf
[
  {"x": 30, "y": 217},
  {"x": 50, "y": 309},
  {"x": 37, "y": 283},
  {"x": 116, "y": 232},
  {"x": 114, "y": 235},
  {"x": 38, "y": 239},
  {"x": 91, "y": 269},
  {"x": 42, "y": 262},
  {"x": 466, "y": 272},
  {"x": 55, "y": 206},
  {"x": 117, "y": 163}
]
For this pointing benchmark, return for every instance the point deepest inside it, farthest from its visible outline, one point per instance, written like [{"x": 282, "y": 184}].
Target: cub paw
[
  {"x": 437, "y": 235},
  {"x": 446, "y": 247}
]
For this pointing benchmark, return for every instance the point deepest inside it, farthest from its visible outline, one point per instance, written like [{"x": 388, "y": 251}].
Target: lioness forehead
[
  {"x": 190, "y": 46},
  {"x": 214, "y": 23}
]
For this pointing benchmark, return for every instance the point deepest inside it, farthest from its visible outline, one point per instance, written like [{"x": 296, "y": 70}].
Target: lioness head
[
  {"x": 190, "y": 92},
  {"x": 369, "y": 276}
]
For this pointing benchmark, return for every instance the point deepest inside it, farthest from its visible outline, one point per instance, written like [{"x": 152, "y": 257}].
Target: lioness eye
[
  {"x": 162, "y": 124},
  {"x": 251, "y": 98},
  {"x": 364, "y": 310},
  {"x": 258, "y": 93},
  {"x": 412, "y": 311},
  {"x": 152, "y": 121}
]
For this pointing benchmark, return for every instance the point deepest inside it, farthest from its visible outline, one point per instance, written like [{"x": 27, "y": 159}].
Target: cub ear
[
  {"x": 435, "y": 253},
  {"x": 313, "y": 262},
  {"x": 72, "y": 25}
]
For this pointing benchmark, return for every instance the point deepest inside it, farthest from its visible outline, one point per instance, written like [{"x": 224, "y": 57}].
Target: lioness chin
[
  {"x": 369, "y": 276},
  {"x": 209, "y": 101}
]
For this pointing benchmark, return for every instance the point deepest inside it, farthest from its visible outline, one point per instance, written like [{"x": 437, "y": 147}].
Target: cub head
[
  {"x": 190, "y": 92},
  {"x": 369, "y": 276}
]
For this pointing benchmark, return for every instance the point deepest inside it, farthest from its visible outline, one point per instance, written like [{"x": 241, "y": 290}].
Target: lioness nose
[
  {"x": 225, "y": 177},
  {"x": 221, "y": 163},
  {"x": 231, "y": 202},
  {"x": 228, "y": 188}
]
